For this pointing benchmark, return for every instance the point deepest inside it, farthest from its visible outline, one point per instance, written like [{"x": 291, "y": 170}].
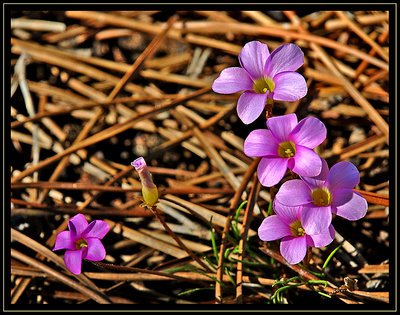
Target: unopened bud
[{"x": 149, "y": 189}]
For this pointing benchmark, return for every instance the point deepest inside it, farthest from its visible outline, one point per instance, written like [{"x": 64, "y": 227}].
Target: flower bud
[{"x": 149, "y": 189}]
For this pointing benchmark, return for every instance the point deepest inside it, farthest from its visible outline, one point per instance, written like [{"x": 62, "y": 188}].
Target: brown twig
[
  {"x": 234, "y": 205},
  {"x": 156, "y": 213},
  {"x": 248, "y": 216}
]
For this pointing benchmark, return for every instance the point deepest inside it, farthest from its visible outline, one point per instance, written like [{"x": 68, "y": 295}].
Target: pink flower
[
  {"x": 329, "y": 192},
  {"x": 263, "y": 75},
  {"x": 82, "y": 241},
  {"x": 286, "y": 144},
  {"x": 287, "y": 224}
]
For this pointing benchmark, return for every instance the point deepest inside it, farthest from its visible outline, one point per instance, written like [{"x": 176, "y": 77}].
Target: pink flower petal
[
  {"x": 95, "y": 250},
  {"x": 260, "y": 142},
  {"x": 271, "y": 170},
  {"x": 65, "y": 240},
  {"x": 306, "y": 162},
  {"x": 310, "y": 132},
  {"x": 73, "y": 260},
  {"x": 293, "y": 249},
  {"x": 97, "y": 228},
  {"x": 250, "y": 106},
  {"x": 286, "y": 213},
  {"x": 289, "y": 86},
  {"x": 319, "y": 180},
  {"x": 273, "y": 228},
  {"x": 294, "y": 193},
  {"x": 343, "y": 175},
  {"x": 281, "y": 126},
  {"x": 287, "y": 57},
  {"x": 349, "y": 204},
  {"x": 253, "y": 57},
  {"x": 316, "y": 220},
  {"x": 232, "y": 80},
  {"x": 322, "y": 239},
  {"x": 77, "y": 225}
]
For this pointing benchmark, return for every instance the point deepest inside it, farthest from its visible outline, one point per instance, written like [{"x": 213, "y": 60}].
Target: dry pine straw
[{"x": 169, "y": 96}]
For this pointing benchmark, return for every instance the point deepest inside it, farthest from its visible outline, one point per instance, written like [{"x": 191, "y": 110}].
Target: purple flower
[
  {"x": 329, "y": 192},
  {"x": 263, "y": 75},
  {"x": 82, "y": 241},
  {"x": 286, "y": 144},
  {"x": 287, "y": 224}
]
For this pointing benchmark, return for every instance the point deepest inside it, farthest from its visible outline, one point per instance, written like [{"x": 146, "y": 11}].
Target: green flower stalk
[{"x": 149, "y": 189}]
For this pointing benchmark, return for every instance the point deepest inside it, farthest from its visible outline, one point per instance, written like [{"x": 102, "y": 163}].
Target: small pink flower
[
  {"x": 287, "y": 224},
  {"x": 329, "y": 192},
  {"x": 286, "y": 144},
  {"x": 263, "y": 75},
  {"x": 82, "y": 241}
]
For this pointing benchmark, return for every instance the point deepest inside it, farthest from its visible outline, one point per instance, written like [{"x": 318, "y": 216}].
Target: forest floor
[{"x": 93, "y": 90}]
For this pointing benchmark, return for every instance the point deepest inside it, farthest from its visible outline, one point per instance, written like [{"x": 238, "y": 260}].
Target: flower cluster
[
  {"x": 313, "y": 200},
  {"x": 303, "y": 207}
]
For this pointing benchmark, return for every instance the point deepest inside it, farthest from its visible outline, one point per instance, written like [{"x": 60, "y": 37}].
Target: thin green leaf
[
  {"x": 330, "y": 256},
  {"x": 194, "y": 290},
  {"x": 214, "y": 245}
]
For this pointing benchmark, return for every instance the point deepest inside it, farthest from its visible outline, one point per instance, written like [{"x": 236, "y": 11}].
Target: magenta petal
[
  {"x": 273, "y": 228},
  {"x": 306, "y": 162},
  {"x": 310, "y": 132},
  {"x": 260, "y": 142},
  {"x": 271, "y": 170},
  {"x": 293, "y": 249},
  {"x": 316, "y": 220},
  {"x": 281, "y": 126},
  {"x": 73, "y": 260},
  {"x": 349, "y": 204},
  {"x": 322, "y": 239},
  {"x": 289, "y": 86},
  {"x": 253, "y": 57},
  {"x": 343, "y": 175},
  {"x": 286, "y": 213},
  {"x": 77, "y": 224},
  {"x": 97, "y": 228},
  {"x": 232, "y": 80},
  {"x": 250, "y": 106},
  {"x": 294, "y": 193},
  {"x": 319, "y": 180},
  {"x": 64, "y": 240},
  {"x": 95, "y": 250},
  {"x": 287, "y": 57}
]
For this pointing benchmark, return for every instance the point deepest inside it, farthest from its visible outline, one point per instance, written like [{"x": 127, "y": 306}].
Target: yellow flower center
[
  {"x": 261, "y": 86},
  {"x": 81, "y": 243},
  {"x": 297, "y": 229},
  {"x": 321, "y": 196},
  {"x": 286, "y": 149}
]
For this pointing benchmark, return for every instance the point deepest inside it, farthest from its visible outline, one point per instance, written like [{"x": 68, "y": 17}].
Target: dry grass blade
[
  {"x": 45, "y": 252},
  {"x": 62, "y": 278},
  {"x": 139, "y": 63},
  {"x": 107, "y": 133},
  {"x": 242, "y": 244},
  {"x": 234, "y": 205}
]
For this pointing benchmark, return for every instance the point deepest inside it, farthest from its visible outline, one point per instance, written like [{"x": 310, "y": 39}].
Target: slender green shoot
[
  {"x": 330, "y": 256},
  {"x": 214, "y": 244}
]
